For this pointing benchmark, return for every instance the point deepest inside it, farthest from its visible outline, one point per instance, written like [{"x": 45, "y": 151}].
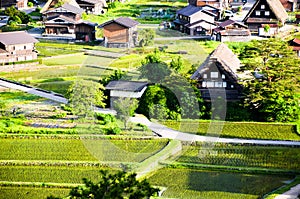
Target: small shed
[
  {"x": 85, "y": 31},
  {"x": 120, "y": 32},
  {"x": 122, "y": 88}
]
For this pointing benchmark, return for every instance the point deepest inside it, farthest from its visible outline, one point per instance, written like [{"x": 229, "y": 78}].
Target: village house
[
  {"x": 17, "y": 46},
  {"x": 120, "y": 32},
  {"x": 231, "y": 30},
  {"x": 194, "y": 20},
  {"x": 17, "y": 3},
  {"x": 66, "y": 20},
  {"x": 289, "y": 5},
  {"x": 123, "y": 88},
  {"x": 215, "y": 3},
  {"x": 93, "y": 6},
  {"x": 218, "y": 76},
  {"x": 266, "y": 12}
]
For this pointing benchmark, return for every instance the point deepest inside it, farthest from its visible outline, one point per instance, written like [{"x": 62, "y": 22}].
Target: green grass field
[
  {"x": 272, "y": 157},
  {"x": 79, "y": 150},
  {"x": 195, "y": 184},
  {"x": 49, "y": 174},
  {"x": 31, "y": 192},
  {"x": 248, "y": 130}
]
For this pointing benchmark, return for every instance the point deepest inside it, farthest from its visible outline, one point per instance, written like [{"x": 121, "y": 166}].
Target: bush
[
  {"x": 30, "y": 4},
  {"x": 111, "y": 130},
  {"x": 106, "y": 118}
]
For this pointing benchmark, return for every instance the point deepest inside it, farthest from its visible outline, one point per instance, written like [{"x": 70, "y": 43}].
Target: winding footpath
[{"x": 165, "y": 132}]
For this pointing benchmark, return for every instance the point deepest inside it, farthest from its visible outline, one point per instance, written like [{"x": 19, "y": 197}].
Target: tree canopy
[
  {"x": 84, "y": 95},
  {"x": 274, "y": 96},
  {"x": 118, "y": 185}
]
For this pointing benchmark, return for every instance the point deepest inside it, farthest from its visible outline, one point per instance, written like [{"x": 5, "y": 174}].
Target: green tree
[
  {"x": 177, "y": 64},
  {"x": 125, "y": 108},
  {"x": 84, "y": 95},
  {"x": 154, "y": 72},
  {"x": 146, "y": 37},
  {"x": 275, "y": 95},
  {"x": 120, "y": 185}
]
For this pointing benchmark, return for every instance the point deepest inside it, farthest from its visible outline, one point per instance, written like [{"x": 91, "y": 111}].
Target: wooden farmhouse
[
  {"x": 93, "y": 6},
  {"x": 266, "y": 12},
  {"x": 217, "y": 76},
  {"x": 120, "y": 33},
  {"x": 121, "y": 88},
  {"x": 17, "y": 3},
  {"x": 194, "y": 20},
  {"x": 66, "y": 20},
  {"x": 17, "y": 46},
  {"x": 231, "y": 30}
]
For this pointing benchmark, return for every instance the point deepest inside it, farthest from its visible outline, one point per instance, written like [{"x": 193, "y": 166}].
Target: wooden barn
[
  {"x": 218, "y": 76},
  {"x": 85, "y": 31},
  {"x": 120, "y": 32}
]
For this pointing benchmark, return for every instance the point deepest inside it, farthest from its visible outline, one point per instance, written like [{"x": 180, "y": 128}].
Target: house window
[
  {"x": 205, "y": 76},
  {"x": 223, "y": 76},
  {"x": 24, "y": 47},
  {"x": 262, "y": 7},
  {"x": 204, "y": 84},
  {"x": 267, "y": 13},
  {"x": 257, "y": 13},
  {"x": 224, "y": 84},
  {"x": 210, "y": 84},
  {"x": 232, "y": 86},
  {"x": 214, "y": 74},
  {"x": 218, "y": 84}
]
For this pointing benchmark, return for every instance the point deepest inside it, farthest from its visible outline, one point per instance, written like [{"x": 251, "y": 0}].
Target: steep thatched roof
[
  {"x": 50, "y": 4},
  {"x": 226, "y": 59},
  {"x": 275, "y": 6}
]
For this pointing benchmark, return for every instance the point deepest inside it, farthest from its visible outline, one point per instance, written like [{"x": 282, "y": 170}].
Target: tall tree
[
  {"x": 84, "y": 96},
  {"x": 275, "y": 95},
  {"x": 125, "y": 108},
  {"x": 120, "y": 185}
]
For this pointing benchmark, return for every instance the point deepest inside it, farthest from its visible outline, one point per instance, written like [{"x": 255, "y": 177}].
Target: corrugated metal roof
[
  {"x": 123, "y": 85},
  {"x": 18, "y": 37}
]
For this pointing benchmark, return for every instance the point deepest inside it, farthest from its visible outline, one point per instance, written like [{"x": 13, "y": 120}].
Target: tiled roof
[
  {"x": 103, "y": 2},
  {"x": 72, "y": 8},
  {"x": 230, "y": 22},
  {"x": 204, "y": 24},
  {"x": 235, "y": 32},
  {"x": 18, "y": 37},
  {"x": 126, "y": 85},
  {"x": 189, "y": 10},
  {"x": 123, "y": 21},
  {"x": 69, "y": 19}
]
